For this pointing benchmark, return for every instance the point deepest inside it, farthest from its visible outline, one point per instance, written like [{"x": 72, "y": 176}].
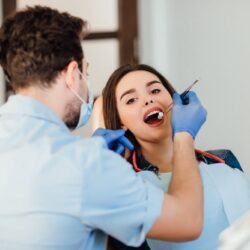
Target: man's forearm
[
  {"x": 182, "y": 211},
  {"x": 185, "y": 164},
  {"x": 186, "y": 184}
]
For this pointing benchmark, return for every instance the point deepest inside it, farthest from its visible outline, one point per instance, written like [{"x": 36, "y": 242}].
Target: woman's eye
[
  {"x": 155, "y": 91},
  {"x": 131, "y": 100}
]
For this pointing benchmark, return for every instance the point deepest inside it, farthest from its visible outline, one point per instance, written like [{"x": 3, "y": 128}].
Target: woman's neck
[{"x": 159, "y": 154}]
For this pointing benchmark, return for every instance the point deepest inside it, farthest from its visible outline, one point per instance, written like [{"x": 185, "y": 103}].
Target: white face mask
[{"x": 86, "y": 107}]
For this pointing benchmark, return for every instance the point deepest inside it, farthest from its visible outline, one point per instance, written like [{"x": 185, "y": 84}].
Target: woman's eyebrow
[
  {"x": 152, "y": 82},
  {"x": 133, "y": 90},
  {"x": 127, "y": 92}
]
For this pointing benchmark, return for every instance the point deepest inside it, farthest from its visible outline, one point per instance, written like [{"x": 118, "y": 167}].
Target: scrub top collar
[{"x": 28, "y": 106}]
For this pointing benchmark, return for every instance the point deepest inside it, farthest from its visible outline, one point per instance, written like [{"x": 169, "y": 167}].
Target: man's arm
[{"x": 182, "y": 210}]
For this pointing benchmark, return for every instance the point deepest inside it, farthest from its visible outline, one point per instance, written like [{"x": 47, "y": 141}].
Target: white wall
[
  {"x": 209, "y": 40},
  {"x": 153, "y": 41}
]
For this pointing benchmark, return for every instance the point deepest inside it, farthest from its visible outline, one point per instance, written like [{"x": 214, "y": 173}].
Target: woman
[{"x": 138, "y": 99}]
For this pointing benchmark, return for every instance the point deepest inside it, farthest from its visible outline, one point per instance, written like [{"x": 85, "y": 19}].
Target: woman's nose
[{"x": 147, "y": 102}]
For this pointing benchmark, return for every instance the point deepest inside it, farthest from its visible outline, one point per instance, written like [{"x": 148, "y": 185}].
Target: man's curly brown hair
[{"x": 37, "y": 43}]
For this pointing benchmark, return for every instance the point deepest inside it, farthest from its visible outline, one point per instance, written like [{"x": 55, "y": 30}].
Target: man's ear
[{"x": 69, "y": 74}]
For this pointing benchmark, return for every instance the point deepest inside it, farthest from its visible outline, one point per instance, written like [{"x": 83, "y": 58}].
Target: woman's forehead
[{"x": 134, "y": 79}]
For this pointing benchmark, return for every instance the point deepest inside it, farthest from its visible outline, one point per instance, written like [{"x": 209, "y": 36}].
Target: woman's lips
[{"x": 153, "y": 111}]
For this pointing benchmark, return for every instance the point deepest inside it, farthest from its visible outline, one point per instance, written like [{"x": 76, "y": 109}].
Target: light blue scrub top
[
  {"x": 61, "y": 192},
  {"x": 226, "y": 198}
]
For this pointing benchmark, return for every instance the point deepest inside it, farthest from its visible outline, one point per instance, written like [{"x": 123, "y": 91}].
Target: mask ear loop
[
  {"x": 75, "y": 93},
  {"x": 90, "y": 97}
]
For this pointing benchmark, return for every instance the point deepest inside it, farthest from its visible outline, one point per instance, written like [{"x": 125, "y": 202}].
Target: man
[{"x": 59, "y": 191}]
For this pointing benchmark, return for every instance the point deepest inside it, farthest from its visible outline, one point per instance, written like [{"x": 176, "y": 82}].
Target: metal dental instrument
[
  {"x": 188, "y": 89},
  {"x": 183, "y": 94}
]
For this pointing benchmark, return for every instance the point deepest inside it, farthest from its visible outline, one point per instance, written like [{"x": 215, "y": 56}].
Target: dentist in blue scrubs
[{"x": 59, "y": 191}]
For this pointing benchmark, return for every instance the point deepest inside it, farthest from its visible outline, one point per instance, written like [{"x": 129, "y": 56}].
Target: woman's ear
[{"x": 70, "y": 75}]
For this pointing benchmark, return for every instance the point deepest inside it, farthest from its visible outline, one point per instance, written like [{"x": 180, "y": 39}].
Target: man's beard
[{"x": 72, "y": 113}]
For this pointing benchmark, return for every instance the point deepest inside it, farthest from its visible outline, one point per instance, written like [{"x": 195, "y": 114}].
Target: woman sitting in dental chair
[{"x": 226, "y": 190}]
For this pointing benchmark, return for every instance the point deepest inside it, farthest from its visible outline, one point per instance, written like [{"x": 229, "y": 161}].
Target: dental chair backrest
[{"x": 219, "y": 156}]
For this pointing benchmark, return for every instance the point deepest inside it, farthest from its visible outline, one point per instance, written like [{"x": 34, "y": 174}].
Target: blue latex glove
[
  {"x": 115, "y": 139},
  {"x": 188, "y": 116}
]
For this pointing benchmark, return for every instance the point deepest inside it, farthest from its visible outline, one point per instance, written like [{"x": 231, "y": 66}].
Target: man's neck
[{"x": 48, "y": 97}]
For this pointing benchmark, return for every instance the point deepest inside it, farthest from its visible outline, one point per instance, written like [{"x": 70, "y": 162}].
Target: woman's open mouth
[{"x": 154, "y": 117}]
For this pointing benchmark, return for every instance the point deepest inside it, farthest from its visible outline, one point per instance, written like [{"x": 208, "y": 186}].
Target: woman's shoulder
[{"x": 232, "y": 185}]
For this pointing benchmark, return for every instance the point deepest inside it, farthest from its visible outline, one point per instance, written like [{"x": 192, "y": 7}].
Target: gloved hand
[
  {"x": 115, "y": 139},
  {"x": 188, "y": 117}
]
